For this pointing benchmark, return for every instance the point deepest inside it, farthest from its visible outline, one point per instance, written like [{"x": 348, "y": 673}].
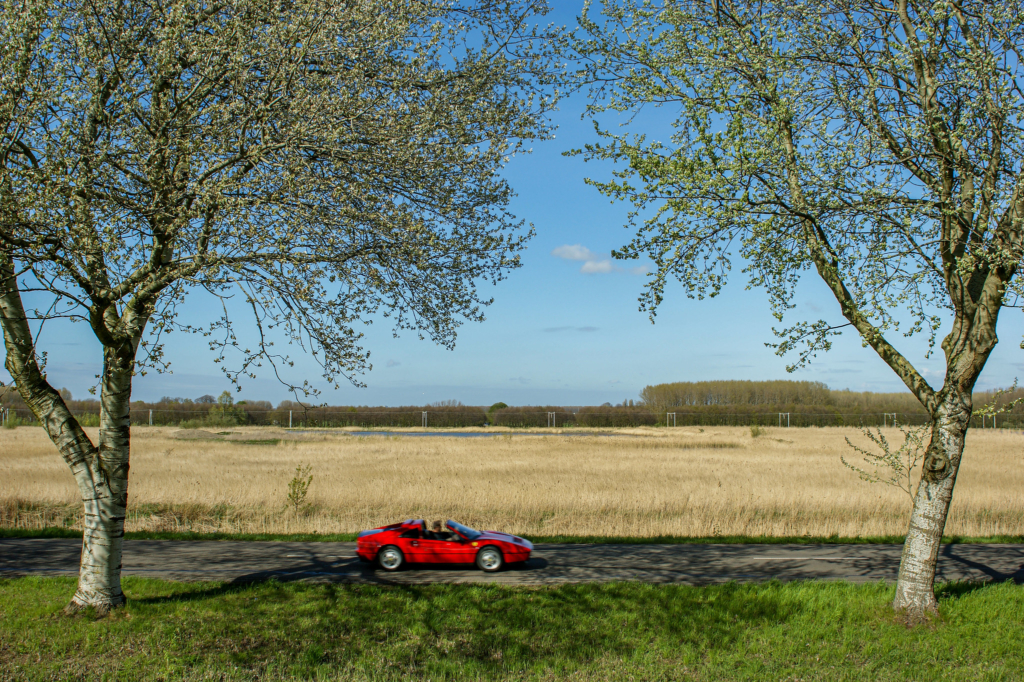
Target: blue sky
[{"x": 564, "y": 329}]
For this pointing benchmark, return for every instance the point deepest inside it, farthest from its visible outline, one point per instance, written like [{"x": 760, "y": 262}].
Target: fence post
[
  {"x": 424, "y": 419},
  {"x": 151, "y": 417},
  {"x": 670, "y": 414},
  {"x": 289, "y": 419}
]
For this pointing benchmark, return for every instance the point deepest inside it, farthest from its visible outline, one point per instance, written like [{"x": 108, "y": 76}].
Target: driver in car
[{"x": 437, "y": 532}]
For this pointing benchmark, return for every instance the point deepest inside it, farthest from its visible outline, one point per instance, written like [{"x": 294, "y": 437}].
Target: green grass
[
  {"x": 62, "y": 532},
  {"x": 269, "y": 631}
]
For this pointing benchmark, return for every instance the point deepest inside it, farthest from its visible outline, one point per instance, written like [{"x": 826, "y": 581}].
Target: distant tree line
[
  {"x": 797, "y": 396},
  {"x": 702, "y": 403}
]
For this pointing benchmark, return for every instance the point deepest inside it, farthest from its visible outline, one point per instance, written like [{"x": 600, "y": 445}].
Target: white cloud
[
  {"x": 574, "y": 252},
  {"x": 594, "y": 263},
  {"x": 598, "y": 266}
]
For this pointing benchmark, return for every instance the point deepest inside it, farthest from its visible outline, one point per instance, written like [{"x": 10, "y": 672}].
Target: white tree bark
[
  {"x": 915, "y": 594},
  {"x": 105, "y": 499},
  {"x": 103, "y": 482}
]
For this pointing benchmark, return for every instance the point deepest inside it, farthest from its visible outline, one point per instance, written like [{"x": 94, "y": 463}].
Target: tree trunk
[
  {"x": 101, "y": 474},
  {"x": 915, "y": 586},
  {"x": 103, "y": 482}
]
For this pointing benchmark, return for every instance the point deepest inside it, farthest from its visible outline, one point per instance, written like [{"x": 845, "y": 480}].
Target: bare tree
[
  {"x": 878, "y": 143},
  {"x": 321, "y": 161}
]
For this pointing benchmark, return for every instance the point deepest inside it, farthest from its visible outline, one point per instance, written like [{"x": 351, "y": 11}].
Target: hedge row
[{"x": 297, "y": 416}]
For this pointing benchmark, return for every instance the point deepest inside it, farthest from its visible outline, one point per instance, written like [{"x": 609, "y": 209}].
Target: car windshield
[{"x": 464, "y": 531}]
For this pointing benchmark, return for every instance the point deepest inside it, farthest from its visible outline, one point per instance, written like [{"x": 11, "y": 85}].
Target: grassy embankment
[{"x": 269, "y": 631}]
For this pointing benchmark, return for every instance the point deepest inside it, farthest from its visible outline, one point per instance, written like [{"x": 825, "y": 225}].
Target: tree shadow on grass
[
  {"x": 347, "y": 571},
  {"x": 486, "y": 627},
  {"x": 955, "y": 590}
]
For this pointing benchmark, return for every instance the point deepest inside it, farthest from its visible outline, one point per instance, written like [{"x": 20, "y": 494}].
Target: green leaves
[
  {"x": 323, "y": 163},
  {"x": 882, "y": 150}
]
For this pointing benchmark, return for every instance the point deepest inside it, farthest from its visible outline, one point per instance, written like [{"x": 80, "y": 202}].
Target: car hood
[{"x": 504, "y": 537}]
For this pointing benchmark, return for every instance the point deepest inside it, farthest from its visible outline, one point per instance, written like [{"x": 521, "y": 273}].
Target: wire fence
[{"x": 327, "y": 417}]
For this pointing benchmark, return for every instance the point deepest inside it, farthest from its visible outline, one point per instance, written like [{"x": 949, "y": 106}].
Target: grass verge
[
  {"x": 61, "y": 532},
  {"x": 284, "y": 631}
]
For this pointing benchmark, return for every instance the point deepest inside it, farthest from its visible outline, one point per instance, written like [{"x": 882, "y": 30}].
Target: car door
[
  {"x": 432, "y": 551},
  {"x": 440, "y": 551},
  {"x": 458, "y": 550},
  {"x": 411, "y": 543}
]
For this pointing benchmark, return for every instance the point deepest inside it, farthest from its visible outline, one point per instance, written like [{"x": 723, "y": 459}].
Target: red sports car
[{"x": 410, "y": 542}]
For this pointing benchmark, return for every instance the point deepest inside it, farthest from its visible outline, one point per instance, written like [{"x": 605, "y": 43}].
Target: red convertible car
[{"x": 410, "y": 542}]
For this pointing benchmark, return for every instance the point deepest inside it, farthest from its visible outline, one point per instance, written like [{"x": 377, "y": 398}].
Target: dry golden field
[{"x": 722, "y": 481}]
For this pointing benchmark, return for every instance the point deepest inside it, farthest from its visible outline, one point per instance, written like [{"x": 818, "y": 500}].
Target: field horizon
[{"x": 644, "y": 483}]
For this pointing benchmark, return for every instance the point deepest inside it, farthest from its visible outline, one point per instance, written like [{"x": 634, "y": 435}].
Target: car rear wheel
[
  {"x": 390, "y": 558},
  {"x": 489, "y": 559}
]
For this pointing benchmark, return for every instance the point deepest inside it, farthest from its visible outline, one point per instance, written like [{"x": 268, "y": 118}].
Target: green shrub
[
  {"x": 298, "y": 487},
  {"x": 88, "y": 419}
]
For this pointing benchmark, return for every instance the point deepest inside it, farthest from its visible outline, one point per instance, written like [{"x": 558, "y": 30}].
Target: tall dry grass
[{"x": 787, "y": 482}]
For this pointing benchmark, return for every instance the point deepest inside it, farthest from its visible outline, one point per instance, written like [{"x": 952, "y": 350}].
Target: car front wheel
[
  {"x": 390, "y": 558},
  {"x": 489, "y": 559}
]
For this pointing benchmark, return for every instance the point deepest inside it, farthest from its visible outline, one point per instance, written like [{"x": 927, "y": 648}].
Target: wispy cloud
[
  {"x": 598, "y": 267},
  {"x": 571, "y": 329},
  {"x": 593, "y": 263},
  {"x": 574, "y": 252},
  {"x": 393, "y": 363}
]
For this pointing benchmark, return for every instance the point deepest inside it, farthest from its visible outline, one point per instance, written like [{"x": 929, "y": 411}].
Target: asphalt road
[{"x": 550, "y": 564}]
